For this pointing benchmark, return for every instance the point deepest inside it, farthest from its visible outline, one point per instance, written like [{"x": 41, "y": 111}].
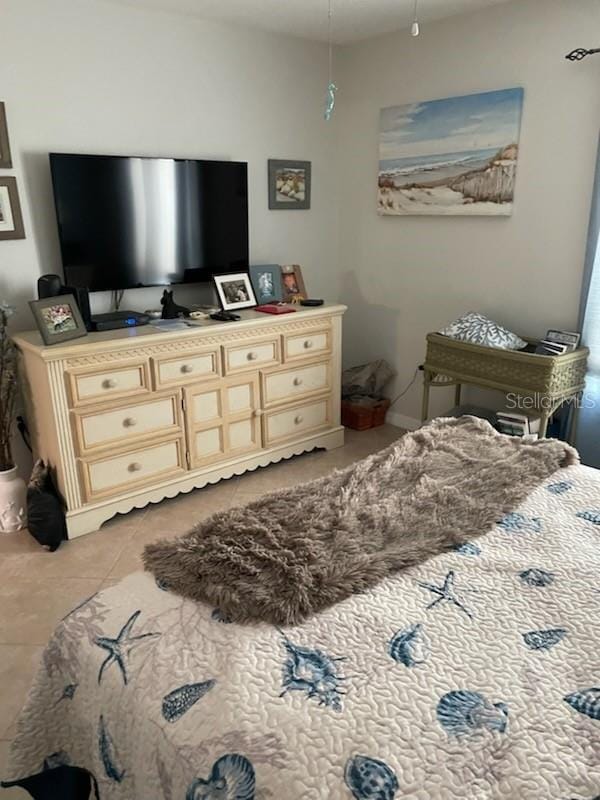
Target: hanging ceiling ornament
[
  {"x": 415, "y": 28},
  {"x": 331, "y": 87}
]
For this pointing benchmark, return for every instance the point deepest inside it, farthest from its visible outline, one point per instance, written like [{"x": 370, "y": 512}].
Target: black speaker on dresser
[
  {"x": 49, "y": 286},
  {"x": 52, "y": 286}
]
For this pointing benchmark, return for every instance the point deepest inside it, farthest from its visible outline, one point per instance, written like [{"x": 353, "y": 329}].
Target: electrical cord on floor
[{"x": 404, "y": 391}]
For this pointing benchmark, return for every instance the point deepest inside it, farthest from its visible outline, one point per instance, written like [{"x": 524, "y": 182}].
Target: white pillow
[{"x": 477, "y": 329}]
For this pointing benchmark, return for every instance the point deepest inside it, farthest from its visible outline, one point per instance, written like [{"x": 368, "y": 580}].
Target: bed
[{"x": 473, "y": 675}]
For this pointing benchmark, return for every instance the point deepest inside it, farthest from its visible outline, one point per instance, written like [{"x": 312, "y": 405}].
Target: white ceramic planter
[{"x": 13, "y": 501}]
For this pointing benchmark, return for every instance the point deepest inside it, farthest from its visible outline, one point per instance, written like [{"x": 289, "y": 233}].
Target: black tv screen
[{"x": 127, "y": 222}]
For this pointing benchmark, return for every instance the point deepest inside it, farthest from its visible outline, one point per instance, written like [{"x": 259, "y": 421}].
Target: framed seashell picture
[{"x": 289, "y": 184}]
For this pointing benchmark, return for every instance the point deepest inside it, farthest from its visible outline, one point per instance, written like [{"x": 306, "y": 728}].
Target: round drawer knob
[
  {"x": 308, "y": 344},
  {"x": 134, "y": 467},
  {"x": 187, "y": 368},
  {"x": 130, "y": 422},
  {"x": 109, "y": 383},
  {"x": 297, "y": 381},
  {"x": 258, "y": 412},
  {"x": 252, "y": 356},
  {"x": 299, "y": 419}
]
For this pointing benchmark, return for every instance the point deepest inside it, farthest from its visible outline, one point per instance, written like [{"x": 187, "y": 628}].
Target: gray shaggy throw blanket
[{"x": 295, "y": 552}]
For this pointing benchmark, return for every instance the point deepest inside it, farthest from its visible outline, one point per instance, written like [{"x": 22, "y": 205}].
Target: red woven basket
[{"x": 361, "y": 418}]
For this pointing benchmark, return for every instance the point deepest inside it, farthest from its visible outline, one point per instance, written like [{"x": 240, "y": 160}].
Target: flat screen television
[{"x": 128, "y": 222}]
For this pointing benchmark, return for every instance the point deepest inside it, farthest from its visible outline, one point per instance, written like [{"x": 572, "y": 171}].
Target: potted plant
[{"x": 12, "y": 487}]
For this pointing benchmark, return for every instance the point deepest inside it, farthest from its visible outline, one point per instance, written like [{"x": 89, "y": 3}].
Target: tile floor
[{"x": 38, "y": 588}]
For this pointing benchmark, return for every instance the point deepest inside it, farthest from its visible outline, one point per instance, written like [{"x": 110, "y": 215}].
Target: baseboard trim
[{"x": 402, "y": 421}]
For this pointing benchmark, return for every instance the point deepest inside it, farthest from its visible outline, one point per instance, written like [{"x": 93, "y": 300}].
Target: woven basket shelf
[{"x": 524, "y": 373}]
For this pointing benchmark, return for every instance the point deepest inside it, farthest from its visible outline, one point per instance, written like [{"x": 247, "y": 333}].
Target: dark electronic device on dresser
[
  {"x": 225, "y": 316},
  {"x": 311, "y": 302},
  {"x": 119, "y": 319}
]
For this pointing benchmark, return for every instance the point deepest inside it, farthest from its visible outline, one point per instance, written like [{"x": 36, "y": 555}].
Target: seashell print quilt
[{"x": 474, "y": 675}]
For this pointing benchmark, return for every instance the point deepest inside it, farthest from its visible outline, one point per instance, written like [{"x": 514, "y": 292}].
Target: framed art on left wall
[
  {"x": 11, "y": 219},
  {"x": 5, "y": 157}
]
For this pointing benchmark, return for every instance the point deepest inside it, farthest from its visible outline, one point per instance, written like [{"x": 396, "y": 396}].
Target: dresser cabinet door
[{"x": 222, "y": 419}]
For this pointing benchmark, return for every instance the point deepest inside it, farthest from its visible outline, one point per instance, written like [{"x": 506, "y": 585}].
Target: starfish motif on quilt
[
  {"x": 445, "y": 593},
  {"x": 120, "y": 647}
]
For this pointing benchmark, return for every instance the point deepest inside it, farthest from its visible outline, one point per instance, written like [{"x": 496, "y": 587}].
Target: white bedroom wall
[
  {"x": 405, "y": 276},
  {"x": 97, "y": 77}
]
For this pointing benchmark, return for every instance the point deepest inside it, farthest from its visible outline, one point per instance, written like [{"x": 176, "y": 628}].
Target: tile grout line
[{"x": 134, "y": 532}]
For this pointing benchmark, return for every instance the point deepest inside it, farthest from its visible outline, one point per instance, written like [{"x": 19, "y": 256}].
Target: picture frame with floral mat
[{"x": 58, "y": 318}]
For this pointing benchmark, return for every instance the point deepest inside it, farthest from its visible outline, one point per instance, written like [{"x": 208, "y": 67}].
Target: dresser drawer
[
  {"x": 290, "y": 384},
  {"x": 97, "y": 429},
  {"x": 138, "y": 467},
  {"x": 290, "y": 423},
  {"x": 88, "y": 386},
  {"x": 306, "y": 345},
  {"x": 170, "y": 372},
  {"x": 239, "y": 358}
]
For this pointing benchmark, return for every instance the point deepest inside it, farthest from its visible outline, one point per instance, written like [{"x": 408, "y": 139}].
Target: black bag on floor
[{"x": 45, "y": 511}]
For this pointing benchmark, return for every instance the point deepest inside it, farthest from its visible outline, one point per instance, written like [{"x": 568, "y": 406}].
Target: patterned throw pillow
[{"x": 477, "y": 329}]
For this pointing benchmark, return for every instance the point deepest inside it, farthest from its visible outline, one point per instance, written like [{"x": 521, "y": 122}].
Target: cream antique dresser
[{"x": 129, "y": 417}]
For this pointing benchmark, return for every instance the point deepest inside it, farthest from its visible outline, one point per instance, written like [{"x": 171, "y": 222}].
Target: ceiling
[{"x": 352, "y": 20}]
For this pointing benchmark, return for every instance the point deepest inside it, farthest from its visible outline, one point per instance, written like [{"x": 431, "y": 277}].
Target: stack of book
[
  {"x": 548, "y": 348},
  {"x": 515, "y": 424},
  {"x": 558, "y": 342}
]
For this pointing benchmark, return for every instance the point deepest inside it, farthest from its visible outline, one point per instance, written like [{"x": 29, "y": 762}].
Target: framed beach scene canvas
[{"x": 456, "y": 156}]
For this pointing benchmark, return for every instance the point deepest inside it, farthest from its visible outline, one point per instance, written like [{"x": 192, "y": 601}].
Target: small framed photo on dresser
[
  {"x": 235, "y": 291},
  {"x": 58, "y": 318},
  {"x": 266, "y": 280},
  {"x": 11, "y": 219},
  {"x": 292, "y": 284}
]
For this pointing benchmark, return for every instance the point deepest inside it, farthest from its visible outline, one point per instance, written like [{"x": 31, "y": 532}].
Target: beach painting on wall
[{"x": 455, "y": 157}]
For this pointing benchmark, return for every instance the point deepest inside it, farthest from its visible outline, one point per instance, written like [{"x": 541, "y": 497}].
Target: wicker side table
[{"x": 547, "y": 380}]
